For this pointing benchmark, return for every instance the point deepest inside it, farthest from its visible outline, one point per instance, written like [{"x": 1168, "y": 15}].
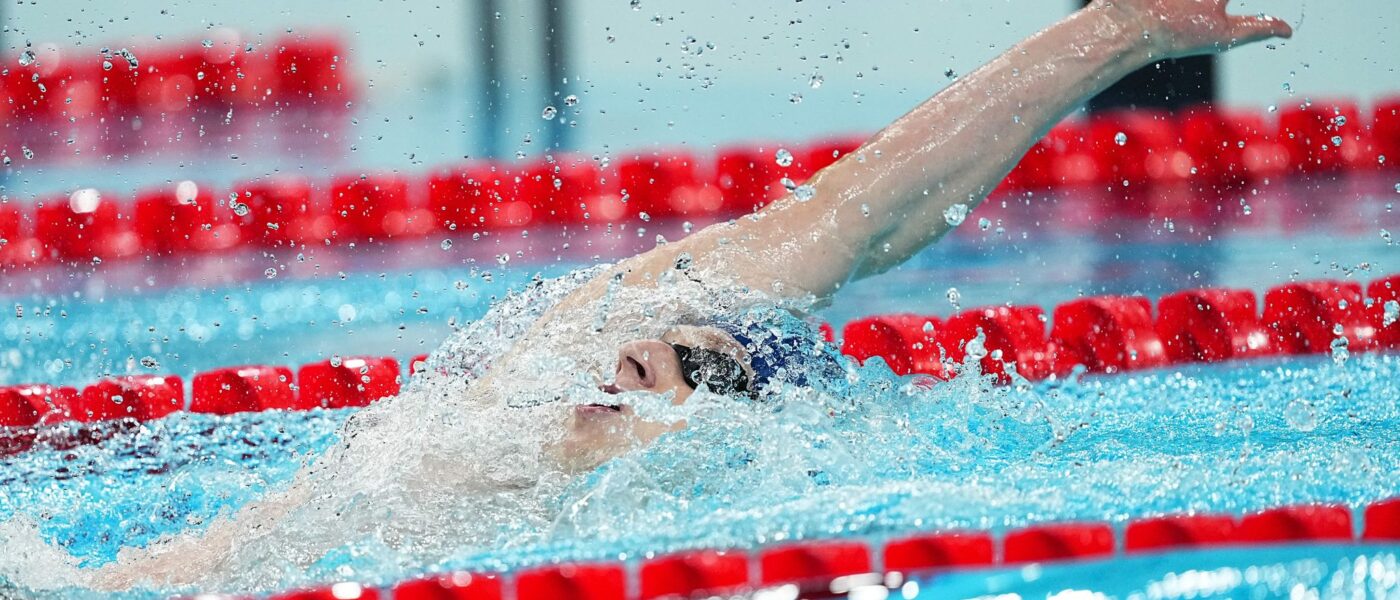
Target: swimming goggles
[{"x": 720, "y": 372}]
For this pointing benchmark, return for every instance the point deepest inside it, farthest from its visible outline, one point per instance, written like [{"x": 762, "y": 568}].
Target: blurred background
[
  {"x": 434, "y": 82},
  {"x": 253, "y": 123}
]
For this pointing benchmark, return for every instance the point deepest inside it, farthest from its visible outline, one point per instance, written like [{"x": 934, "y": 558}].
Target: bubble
[
  {"x": 150, "y": 363},
  {"x": 446, "y": 244},
  {"x": 955, "y": 214},
  {"x": 783, "y": 157},
  {"x": 549, "y": 113},
  {"x": 271, "y": 273},
  {"x": 1340, "y": 350},
  {"x": 804, "y": 192},
  {"x": 1300, "y": 415},
  {"x": 1121, "y": 139}
]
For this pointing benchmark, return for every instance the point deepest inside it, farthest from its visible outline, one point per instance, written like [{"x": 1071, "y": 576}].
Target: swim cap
[{"x": 781, "y": 347}]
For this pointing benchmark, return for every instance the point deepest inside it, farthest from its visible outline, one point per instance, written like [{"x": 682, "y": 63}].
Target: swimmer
[{"x": 866, "y": 213}]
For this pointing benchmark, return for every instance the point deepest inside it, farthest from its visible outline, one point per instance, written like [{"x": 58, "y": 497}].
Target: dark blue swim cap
[{"x": 781, "y": 347}]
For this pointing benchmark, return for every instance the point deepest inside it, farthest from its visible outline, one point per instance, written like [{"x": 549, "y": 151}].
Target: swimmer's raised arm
[{"x": 876, "y": 207}]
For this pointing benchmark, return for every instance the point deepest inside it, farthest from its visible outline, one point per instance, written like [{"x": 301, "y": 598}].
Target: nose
[{"x": 642, "y": 365}]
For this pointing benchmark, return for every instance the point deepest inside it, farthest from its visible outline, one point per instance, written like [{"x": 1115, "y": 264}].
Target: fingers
[{"x": 1245, "y": 30}]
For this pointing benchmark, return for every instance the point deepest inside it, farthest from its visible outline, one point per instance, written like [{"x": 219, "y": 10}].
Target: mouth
[{"x": 610, "y": 389}]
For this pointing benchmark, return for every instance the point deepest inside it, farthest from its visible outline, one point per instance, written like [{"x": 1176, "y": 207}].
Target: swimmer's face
[{"x": 670, "y": 365}]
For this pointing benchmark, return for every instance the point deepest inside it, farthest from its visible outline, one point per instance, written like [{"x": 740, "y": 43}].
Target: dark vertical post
[
  {"x": 489, "y": 143},
  {"x": 556, "y": 70},
  {"x": 1169, "y": 85}
]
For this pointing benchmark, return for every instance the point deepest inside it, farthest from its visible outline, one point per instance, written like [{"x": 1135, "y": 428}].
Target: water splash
[{"x": 463, "y": 470}]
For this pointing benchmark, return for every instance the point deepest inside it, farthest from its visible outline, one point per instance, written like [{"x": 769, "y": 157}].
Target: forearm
[{"x": 886, "y": 201}]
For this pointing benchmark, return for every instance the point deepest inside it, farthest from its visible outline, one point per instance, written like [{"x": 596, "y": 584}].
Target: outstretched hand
[{"x": 1185, "y": 27}]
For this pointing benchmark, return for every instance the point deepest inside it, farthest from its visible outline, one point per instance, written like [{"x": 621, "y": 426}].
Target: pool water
[
  {"x": 874, "y": 457},
  {"x": 1303, "y": 571}
]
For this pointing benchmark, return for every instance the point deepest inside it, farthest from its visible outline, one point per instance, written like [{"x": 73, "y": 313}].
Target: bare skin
[
  {"x": 876, "y": 207},
  {"x": 869, "y": 212}
]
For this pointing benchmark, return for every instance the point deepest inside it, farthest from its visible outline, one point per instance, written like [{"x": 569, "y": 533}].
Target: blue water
[
  {"x": 1230, "y": 438},
  {"x": 888, "y": 456},
  {"x": 1303, "y": 571}
]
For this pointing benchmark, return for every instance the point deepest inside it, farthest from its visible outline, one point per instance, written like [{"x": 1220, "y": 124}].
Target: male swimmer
[{"x": 864, "y": 214}]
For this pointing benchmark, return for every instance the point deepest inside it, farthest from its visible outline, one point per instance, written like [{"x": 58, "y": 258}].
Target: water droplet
[
  {"x": 1391, "y": 313},
  {"x": 976, "y": 348},
  {"x": 1336, "y": 140},
  {"x": 28, "y": 154},
  {"x": 1340, "y": 351},
  {"x": 1339, "y": 120},
  {"x": 570, "y": 100},
  {"x": 795, "y": 98},
  {"x": 955, "y": 214},
  {"x": 549, "y": 113},
  {"x": 784, "y": 158},
  {"x": 335, "y": 360},
  {"x": 106, "y": 65},
  {"x": 240, "y": 209},
  {"x": 1300, "y": 415},
  {"x": 950, "y": 74},
  {"x": 636, "y": 4},
  {"x": 644, "y": 216},
  {"x": 207, "y": 43},
  {"x": 118, "y": 399},
  {"x": 1121, "y": 139},
  {"x": 446, "y": 244},
  {"x": 130, "y": 58},
  {"x": 26, "y": 58},
  {"x": 954, "y": 297},
  {"x": 816, "y": 81},
  {"x": 984, "y": 223},
  {"x": 150, "y": 363},
  {"x": 804, "y": 192}
]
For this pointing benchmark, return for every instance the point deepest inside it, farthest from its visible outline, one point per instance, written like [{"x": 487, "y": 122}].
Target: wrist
[{"x": 1124, "y": 36}]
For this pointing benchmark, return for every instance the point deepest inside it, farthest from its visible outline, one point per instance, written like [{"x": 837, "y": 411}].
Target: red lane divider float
[
  {"x": 812, "y": 561},
  {"x": 1106, "y": 334},
  {"x": 1212, "y": 325},
  {"x": 1057, "y": 541},
  {"x": 1179, "y": 531},
  {"x": 577, "y": 581},
  {"x": 1111, "y": 334},
  {"x": 98, "y": 94},
  {"x": 907, "y": 343},
  {"x": 939, "y": 550},
  {"x": 692, "y": 573},
  {"x": 1155, "y": 164},
  {"x": 811, "y": 565},
  {"x": 1308, "y": 317}
]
